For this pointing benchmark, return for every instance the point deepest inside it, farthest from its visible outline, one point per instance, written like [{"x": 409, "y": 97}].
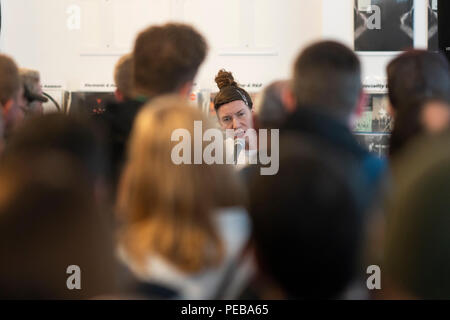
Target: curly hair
[{"x": 166, "y": 57}]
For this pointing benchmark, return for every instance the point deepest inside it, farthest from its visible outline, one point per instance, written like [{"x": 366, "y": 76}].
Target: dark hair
[
  {"x": 75, "y": 136},
  {"x": 415, "y": 77},
  {"x": 418, "y": 75},
  {"x": 166, "y": 57},
  {"x": 230, "y": 91},
  {"x": 327, "y": 76},
  {"x": 272, "y": 111},
  {"x": 48, "y": 222},
  {"x": 306, "y": 221}
]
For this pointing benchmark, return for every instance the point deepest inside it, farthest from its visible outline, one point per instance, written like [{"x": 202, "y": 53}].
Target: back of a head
[
  {"x": 166, "y": 57},
  {"x": 327, "y": 76},
  {"x": 175, "y": 200},
  {"x": 415, "y": 78},
  {"x": 48, "y": 222},
  {"x": 306, "y": 223},
  {"x": 9, "y": 79},
  {"x": 59, "y": 132},
  {"x": 417, "y": 244},
  {"x": 272, "y": 111},
  {"x": 123, "y": 76},
  {"x": 418, "y": 75}
]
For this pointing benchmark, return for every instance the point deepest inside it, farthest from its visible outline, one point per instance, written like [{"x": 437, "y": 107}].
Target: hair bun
[{"x": 225, "y": 79}]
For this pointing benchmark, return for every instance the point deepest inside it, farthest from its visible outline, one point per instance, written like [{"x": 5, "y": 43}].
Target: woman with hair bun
[{"x": 234, "y": 108}]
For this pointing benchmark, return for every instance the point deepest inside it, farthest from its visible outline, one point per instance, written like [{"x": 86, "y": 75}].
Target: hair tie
[{"x": 243, "y": 97}]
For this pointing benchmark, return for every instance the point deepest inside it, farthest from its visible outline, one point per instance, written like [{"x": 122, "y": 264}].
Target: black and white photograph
[
  {"x": 375, "y": 117},
  {"x": 377, "y": 143},
  {"x": 433, "y": 35},
  {"x": 383, "y": 25}
]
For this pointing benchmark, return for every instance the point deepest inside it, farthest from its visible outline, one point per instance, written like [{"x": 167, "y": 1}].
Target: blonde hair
[{"x": 168, "y": 209}]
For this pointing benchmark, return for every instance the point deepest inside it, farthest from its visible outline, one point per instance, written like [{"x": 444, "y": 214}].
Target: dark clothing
[
  {"x": 117, "y": 121},
  {"x": 133, "y": 288},
  {"x": 369, "y": 168}
]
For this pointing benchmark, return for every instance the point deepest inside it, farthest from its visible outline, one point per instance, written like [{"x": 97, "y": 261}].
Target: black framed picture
[
  {"x": 383, "y": 25},
  {"x": 444, "y": 26},
  {"x": 90, "y": 102},
  {"x": 433, "y": 34}
]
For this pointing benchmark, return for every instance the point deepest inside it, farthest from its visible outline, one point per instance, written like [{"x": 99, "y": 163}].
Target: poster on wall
[
  {"x": 383, "y": 25},
  {"x": 375, "y": 117},
  {"x": 376, "y": 143},
  {"x": 433, "y": 36}
]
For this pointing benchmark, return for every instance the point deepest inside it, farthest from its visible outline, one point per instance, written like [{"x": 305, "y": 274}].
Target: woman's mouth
[{"x": 239, "y": 133}]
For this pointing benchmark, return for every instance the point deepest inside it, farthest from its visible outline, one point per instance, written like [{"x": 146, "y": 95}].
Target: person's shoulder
[{"x": 375, "y": 166}]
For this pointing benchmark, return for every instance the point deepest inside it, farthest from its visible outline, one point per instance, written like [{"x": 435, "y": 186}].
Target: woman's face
[{"x": 235, "y": 115}]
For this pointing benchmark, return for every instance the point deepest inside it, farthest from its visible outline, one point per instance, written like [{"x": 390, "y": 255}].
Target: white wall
[{"x": 256, "y": 39}]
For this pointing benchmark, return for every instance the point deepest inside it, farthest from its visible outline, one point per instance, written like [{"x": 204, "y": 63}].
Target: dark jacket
[
  {"x": 117, "y": 121},
  {"x": 332, "y": 132}
]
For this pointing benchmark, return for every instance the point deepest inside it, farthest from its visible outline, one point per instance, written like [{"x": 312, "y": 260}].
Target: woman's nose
[{"x": 235, "y": 123}]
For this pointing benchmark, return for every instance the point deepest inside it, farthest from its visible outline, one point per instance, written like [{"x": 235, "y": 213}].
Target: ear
[
  {"x": 185, "y": 89},
  {"x": 119, "y": 95},
  {"x": 288, "y": 100},
  {"x": 362, "y": 103}
]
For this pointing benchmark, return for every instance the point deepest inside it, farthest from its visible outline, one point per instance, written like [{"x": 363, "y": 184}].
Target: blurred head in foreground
[
  {"x": 167, "y": 208},
  {"x": 61, "y": 133},
  {"x": 306, "y": 222},
  {"x": 419, "y": 94},
  {"x": 327, "y": 79},
  {"x": 48, "y": 223},
  {"x": 166, "y": 59},
  {"x": 123, "y": 78},
  {"x": 12, "y": 99}
]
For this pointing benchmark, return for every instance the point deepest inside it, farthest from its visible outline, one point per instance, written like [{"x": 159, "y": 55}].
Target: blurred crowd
[{"x": 101, "y": 194}]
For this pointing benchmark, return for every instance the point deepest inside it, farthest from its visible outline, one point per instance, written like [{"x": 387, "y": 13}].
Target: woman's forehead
[{"x": 232, "y": 107}]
